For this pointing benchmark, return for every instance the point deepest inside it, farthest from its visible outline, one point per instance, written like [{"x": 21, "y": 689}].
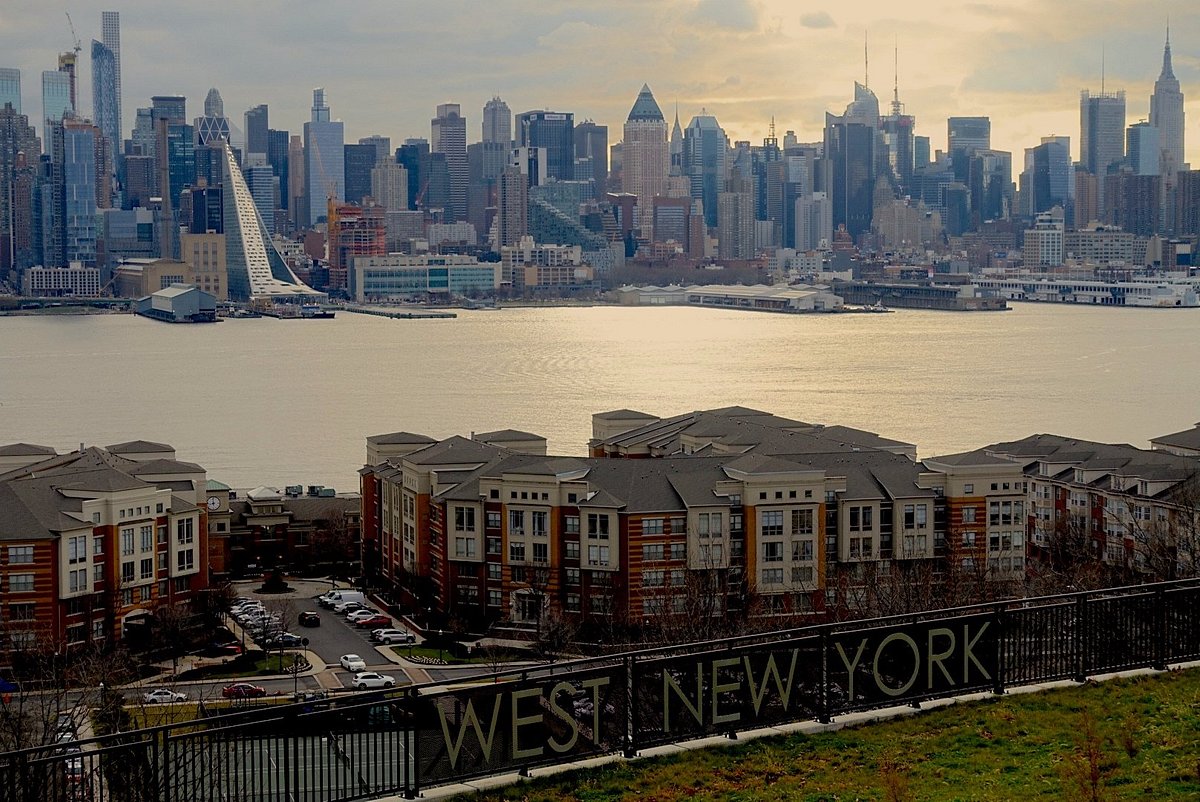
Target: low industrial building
[
  {"x": 403, "y": 277},
  {"x": 761, "y": 298},
  {"x": 179, "y": 303},
  {"x": 75, "y": 281}
]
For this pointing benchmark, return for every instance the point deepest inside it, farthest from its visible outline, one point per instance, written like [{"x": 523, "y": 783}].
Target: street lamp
[{"x": 441, "y": 644}]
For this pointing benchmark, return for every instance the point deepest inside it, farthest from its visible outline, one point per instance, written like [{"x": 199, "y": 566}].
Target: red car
[
  {"x": 374, "y": 621},
  {"x": 243, "y": 690}
]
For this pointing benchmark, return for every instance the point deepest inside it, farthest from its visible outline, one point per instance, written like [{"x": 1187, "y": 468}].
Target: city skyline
[{"x": 744, "y": 62}]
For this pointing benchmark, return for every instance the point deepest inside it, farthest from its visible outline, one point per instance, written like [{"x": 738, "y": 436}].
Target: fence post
[
  {"x": 412, "y": 785},
  {"x": 1001, "y": 636},
  {"x": 1160, "y": 625},
  {"x": 1083, "y": 639},
  {"x": 823, "y": 691},
  {"x": 162, "y": 772},
  {"x": 631, "y": 716}
]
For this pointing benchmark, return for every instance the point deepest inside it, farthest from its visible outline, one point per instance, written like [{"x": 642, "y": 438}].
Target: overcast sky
[{"x": 386, "y": 64}]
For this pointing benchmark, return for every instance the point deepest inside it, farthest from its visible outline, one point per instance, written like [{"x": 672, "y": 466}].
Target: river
[{"x": 276, "y": 402}]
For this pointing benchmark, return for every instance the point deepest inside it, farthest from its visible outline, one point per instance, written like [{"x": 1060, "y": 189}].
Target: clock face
[{"x": 214, "y": 503}]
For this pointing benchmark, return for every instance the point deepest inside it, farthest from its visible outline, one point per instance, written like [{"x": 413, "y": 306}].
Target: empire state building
[{"x": 1166, "y": 114}]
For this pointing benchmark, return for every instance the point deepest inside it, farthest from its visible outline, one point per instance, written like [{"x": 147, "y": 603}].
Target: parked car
[
  {"x": 243, "y": 690},
  {"x": 335, "y": 597},
  {"x": 163, "y": 696},
  {"x": 309, "y": 619},
  {"x": 343, "y": 608},
  {"x": 286, "y": 639},
  {"x": 390, "y": 636},
  {"x": 370, "y": 679},
  {"x": 352, "y": 662},
  {"x": 357, "y": 614},
  {"x": 377, "y": 620}
]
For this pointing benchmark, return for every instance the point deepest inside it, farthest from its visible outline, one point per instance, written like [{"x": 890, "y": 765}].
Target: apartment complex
[
  {"x": 754, "y": 514},
  {"x": 96, "y": 540}
]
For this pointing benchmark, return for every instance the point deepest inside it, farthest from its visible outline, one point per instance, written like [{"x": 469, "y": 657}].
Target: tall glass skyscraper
[
  {"x": 704, "y": 148},
  {"x": 324, "y": 154},
  {"x": 554, "y": 132},
  {"x": 449, "y": 137},
  {"x": 79, "y": 191},
  {"x": 56, "y": 95},
  {"x": 110, "y": 37},
  {"x": 105, "y": 100},
  {"x": 10, "y": 88}
]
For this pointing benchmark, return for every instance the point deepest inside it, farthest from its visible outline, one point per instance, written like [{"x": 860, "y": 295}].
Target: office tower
[
  {"x": 357, "y": 165},
  {"x": 1087, "y": 199},
  {"x": 989, "y": 179},
  {"x": 704, "y": 148},
  {"x": 412, "y": 156},
  {"x": 1187, "y": 203},
  {"x": 213, "y": 127},
  {"x": 260, "y": 180},
  {"x": 66, "y": 65},
  {"x": 735, "y": 233},
  {"x": 434, "y": 197},
  {"x": 324, "y": 169},
  {"x": 214, "y": 106},
  {"x": 532, "y": 163},
  {"x": 851, "y": 161},
  {"x": 553, "y": 132},
  {"x": 1049, "y": 177},
  {"x": 10, "y": 88},
  {"x": 485, "y": 162},
  {"x": 172, "y": 108},
  {"x": 277, "y": 157},
  {"x": 497, "y": 122},
  {"x": 19, "y": 153},
  {"x": 110, "y": 37},
  {"x": 1044, "y": 242},
  {"x": 964, "y": 136},
  {"x": 382, "y": 145},
  {"x": 105, "y": 104},
  {"x": 645, "y": 156},
  {"x": 675, "y": 147},
  {"x": 591, "y": 142},
  {"x": 389, "y": 185},
  {"x": 80, "y": 186},
  {"x": 257, "y": 125},
  {"x": 56, "y": 95},
  {"x": 1101, "y": 134},
  {"x": 1143, "y": 150},
  {"x": 142, "y": 141},
  {"x": 181, "y": 160},
  {"x": 920, "y": 152},
  {"x": 898, "y": 130},
  {"x": 512, "y": 218},
  {"x": 449, "y": 137},
  {"x": 814, "y": 222},
  {"x": 297, "y": 164},
  {"x": 1167, "y": 115},
  {"x": 1134, "y": 202}
]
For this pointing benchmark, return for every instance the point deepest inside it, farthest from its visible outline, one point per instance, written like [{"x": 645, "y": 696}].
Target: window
[
  {"x": 127, "y": 542},
  {"x": 464, "y": 519},
  {"x": 791, "y": 494},
  {"x": 468, "y": 593},
  {"x": 494, "y": 598},
  {"x": 712, "y": 555},
  {"x": 127, "y": 596},
  {"x": 772, "y": 576},
  {"x": 597, "y": 555},
  {"x": 518, "y": 573},
  {"x": 968, "y": 515},
  {"x": 95, "y": 517},
  {"x": 862, "y": 519},
  {"x": 762, "y": 496},
  {"x": 572, "y": 603},
  {"x": 516, "y": 552},
  {"x": 572, "y": 576},
  {"x": 652, "y": 552},
  {"x": 76, "y": 550},
  {"x": 572, "y": 498},
  {"x": 772, "y": 552},
  {"x": 127, "y": 571},
  {"x": 772, "y": 523},
  {"x": 736, "y": 549},
  {"x": 735, "y": 523},
  {"x": 922, "y": 511},
  {"x": 572, "y": 550},
  {"x": 679, "y": 526},
  {"x": 20, "y": 583},
  {"x": 146, "y": 534},
  {"x": 162, "y": 534},
  {"x": 494, "y": 493},
  {"x": 516, "y": 522},
  {"x": 21, "y": 612},
  {"x": 653, "y": 579},
  {"x": 538, "y": 523},
  {"x": 677, "y": 578},
  {"x": 702, "y": 525},
  {"x": 147, "y": 568},
  {"x": 652, "y": 526},
  {"x": 162, "y": 561},
  {"x": 571, "y": 525},
  {"x": 678, "y": 551},
  {"x": 597, "y": 526},
  {"x": 97, "y": 546},
  {"x": 493, "y": 545},
  {"x": 968, "y": 489},
  {"x": 541, "y": 552},
  {"x": 464, "y": 547},
  {"x": 493, "y": 520},
  {"x": 494, "y": 571},
  {"x": 802, "y": 573},
  {"x": 802, "y": 551},
  {"x": 186, "y": 560},
  {"x": 968, "y": 539},
  {"x": 910, "y": 516},
  {"x": 98, "y": 629},
  {"x": 185, "y": 531},
  {"x": 97, "y": 573},
  {"x": 21, "y": 555},
  {"x": 802, "y": 522},
  {"x": 181, "y": 584}
]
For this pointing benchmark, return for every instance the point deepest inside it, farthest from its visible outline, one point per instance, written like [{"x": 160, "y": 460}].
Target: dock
[{"x": 416, "y": 314}]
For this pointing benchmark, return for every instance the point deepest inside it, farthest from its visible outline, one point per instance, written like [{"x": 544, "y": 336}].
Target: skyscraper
[
  {"x": 277, "y": 157},
  {"x": 704, "y": 147},
  {"x": 56, "y": 95},
  {"x": 389, "y": 186},
  {"x": 851, "y": 161},
  {"x": 591, "y": 142},
  {"x": 105, "y": 103},
  {"x": 553, "y": 132},
  {"x": 79, "y": 190},
  {"x": 382, "y": 145},
  {"x": 324, "y": 169},
  {"x": 1101, "y": 133},
  {"x": 357, "y": 165},
  {"x": 1166, "y": 114},
  {"x": 645, "y": 157},
  {"x": 497, "y": 122},
  {"x": 213, "y": 127},
  {"x": 1143, "y": 149},
  {"x": 1048, "y": 179},
  {"x": 10, "y": 88},
  {"x": 214, "y": 106},
  {"x": 19, "y": 151},
  {"x": 110, "y": 37},
  {"x": 257, "y": 123},
  {"x": 449, "y": 136}
]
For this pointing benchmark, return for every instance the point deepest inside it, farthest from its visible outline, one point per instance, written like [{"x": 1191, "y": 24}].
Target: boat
[{"x": 315, "y": 312}]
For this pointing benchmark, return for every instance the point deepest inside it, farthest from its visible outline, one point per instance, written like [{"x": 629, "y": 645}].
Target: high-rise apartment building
[
  {"x": 645, "y": 156},
  {"x": 389, "y": 185},
  {"x": 512, "y": 219},
  {"x": 56, "y": 95},
  {"x": 554, "y": 133},
  {"x": 497, "y": 122},
  {"x": 81, "y": 141},
  {"x": 1101, "y": 133},
  {"x": 257, "y": 125},
  {"x": 10, "y": 88},
  {"x": 106, "y": 105},
  {"x": 449, "y": 136},
  {"x": 110, "y": 37},
  {"x": 19, "y": 152},
  {"x": 277, "y": 157},
  {"x": 1167, "y": 115},
  {"x": 324, "y": 169},
  {"x": 735, "y": 232},
  {"x": 359, "y": 160}
]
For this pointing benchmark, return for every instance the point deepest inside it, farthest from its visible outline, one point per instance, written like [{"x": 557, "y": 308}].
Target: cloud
[
  {"x": 817, "y": 19},
  {"x": 738, "y": 15}
]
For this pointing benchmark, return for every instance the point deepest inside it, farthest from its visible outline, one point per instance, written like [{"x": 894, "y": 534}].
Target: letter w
[
  {"x": 454, "y": 746},
  {"x": 758, "y": 692}
]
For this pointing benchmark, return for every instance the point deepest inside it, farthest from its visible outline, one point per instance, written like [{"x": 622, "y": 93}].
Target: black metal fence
[{"x": 402, "y": 741}]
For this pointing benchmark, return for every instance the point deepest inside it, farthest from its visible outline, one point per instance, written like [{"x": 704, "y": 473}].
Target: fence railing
[{"x": 399, "y": 742}]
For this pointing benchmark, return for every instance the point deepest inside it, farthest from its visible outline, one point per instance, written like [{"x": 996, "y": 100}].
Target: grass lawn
[
  {"x": 1144, "y": 741},
  {"x": 426, "y": 651},
  {"x": 268, "y": 665}
]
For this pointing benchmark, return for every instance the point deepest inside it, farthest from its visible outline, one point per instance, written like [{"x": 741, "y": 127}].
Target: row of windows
[
  {"x": 20, "y": 555},
  {"x": 802, "y": 550},
  {"x": 774, "y": 576},
  {"x": 654, "y": 552},
  {"x": 762, "y": 494},
  {"x": 132, "y": 512}
]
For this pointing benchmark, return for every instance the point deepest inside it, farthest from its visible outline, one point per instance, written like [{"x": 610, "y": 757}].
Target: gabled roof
[
  {"x": 26, "y": 450},
  {"x": 400, "y": 438},
  {"x": 506, "y": 436},
  {"x": 138, "y": 447},
  {"x": 1189, "y": 438},
  {"x": 455, "y": 450},
  {"x": 624, "y": 414},
  {"x": 164, "y": 466}
]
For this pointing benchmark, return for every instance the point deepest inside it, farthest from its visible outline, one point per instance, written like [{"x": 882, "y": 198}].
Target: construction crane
[{"x": 74, "y": 36}]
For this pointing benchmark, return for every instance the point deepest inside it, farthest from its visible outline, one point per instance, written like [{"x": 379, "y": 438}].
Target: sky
[{"x": 386, "y": 64}]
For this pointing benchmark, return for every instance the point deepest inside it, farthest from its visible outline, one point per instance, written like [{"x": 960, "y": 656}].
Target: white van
[{"x": 346, "y": 597}]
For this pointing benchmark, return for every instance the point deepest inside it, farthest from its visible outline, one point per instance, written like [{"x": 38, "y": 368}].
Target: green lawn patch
[
  {"x": 1137, "y": 738},
  {"x": 433, "y": 654},
  {"x": 252, "y": 664}
]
